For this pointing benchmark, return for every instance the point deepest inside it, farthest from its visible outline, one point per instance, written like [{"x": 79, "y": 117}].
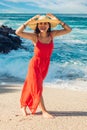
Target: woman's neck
[{"x": 43, "y": 35}]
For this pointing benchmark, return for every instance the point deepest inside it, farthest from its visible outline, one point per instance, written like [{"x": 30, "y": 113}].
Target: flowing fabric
[{"x": 37, "y": 71}]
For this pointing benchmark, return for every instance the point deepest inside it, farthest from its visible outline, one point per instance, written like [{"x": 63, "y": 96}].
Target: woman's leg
[
  {"x": 24, "y": 112},
  {"x": 44, "y": 111}
]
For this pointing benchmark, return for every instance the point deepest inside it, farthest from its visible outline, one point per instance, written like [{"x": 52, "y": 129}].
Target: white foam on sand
[{"x": 79, "y": 85}]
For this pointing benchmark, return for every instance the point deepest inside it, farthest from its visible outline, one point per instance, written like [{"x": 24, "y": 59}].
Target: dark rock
[
  {"x": 9, "y": 40},
  {"x": 5, "y": 30}
]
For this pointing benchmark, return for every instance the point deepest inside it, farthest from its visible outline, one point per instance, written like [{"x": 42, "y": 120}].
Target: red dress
[{"x": 37, "y": 71}]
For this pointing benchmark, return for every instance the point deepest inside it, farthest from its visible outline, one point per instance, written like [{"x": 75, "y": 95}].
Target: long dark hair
[{"x": 37, "y": 31}]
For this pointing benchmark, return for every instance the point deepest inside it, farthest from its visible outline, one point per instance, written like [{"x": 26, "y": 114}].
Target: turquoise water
[{"x": 69, "y": 58}]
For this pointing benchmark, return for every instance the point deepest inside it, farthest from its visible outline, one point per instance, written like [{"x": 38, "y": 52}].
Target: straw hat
[{"x": 53, "y": 22}]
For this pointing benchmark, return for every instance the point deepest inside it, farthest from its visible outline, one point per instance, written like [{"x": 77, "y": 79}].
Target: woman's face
[{"x": 43, "y": 26}]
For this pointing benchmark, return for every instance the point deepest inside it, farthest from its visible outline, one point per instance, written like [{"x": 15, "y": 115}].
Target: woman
[{"x": 42, "y": 38}]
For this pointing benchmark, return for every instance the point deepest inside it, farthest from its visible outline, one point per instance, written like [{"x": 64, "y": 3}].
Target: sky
[{"x": 44, "y": 6}]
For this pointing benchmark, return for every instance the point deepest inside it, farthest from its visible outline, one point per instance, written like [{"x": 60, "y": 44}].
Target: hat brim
[{"x": 53, "y": 23}]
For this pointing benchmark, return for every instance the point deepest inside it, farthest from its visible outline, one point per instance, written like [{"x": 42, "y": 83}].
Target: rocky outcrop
[{"x": 9, "y": 40}]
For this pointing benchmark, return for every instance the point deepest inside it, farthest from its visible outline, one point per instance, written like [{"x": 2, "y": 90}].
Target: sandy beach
[{"x": 68, "y": 106}]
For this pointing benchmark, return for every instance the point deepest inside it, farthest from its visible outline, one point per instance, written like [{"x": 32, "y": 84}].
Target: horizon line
[{"x": 38, "y": 13}]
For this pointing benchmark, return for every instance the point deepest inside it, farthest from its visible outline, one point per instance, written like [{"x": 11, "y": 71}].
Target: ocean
[{"x": 68, "y": 61}]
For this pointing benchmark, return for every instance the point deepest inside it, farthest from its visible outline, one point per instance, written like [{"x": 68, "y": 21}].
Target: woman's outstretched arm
[
  {"x": 66, "y": 29},
  {"x": 20, "y": 31}
]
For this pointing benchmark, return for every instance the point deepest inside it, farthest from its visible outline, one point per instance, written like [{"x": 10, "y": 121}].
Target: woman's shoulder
[
  {"x": 35, "y": 38},
  {"x": 52, "y": 34}
]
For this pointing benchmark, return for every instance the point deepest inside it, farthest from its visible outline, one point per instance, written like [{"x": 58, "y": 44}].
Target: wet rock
[{"x": 9, "y": 40}]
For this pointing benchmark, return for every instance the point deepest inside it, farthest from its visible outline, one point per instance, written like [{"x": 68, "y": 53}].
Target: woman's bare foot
[
  {"x": 47, "y": 115},
  {"x": 24, "y": 112}
]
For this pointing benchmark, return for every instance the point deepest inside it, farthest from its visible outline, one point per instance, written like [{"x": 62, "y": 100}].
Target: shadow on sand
[
  {"x": 66, "y": 113},
  {"x": 8, "y": 88}
]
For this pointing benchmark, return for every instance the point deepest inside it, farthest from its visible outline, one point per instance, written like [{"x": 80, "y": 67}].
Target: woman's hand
[
  {"x": 53, "y": 17},
  {"x": 31, "y": 20},
  {"x": 35, "y": 17}
]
